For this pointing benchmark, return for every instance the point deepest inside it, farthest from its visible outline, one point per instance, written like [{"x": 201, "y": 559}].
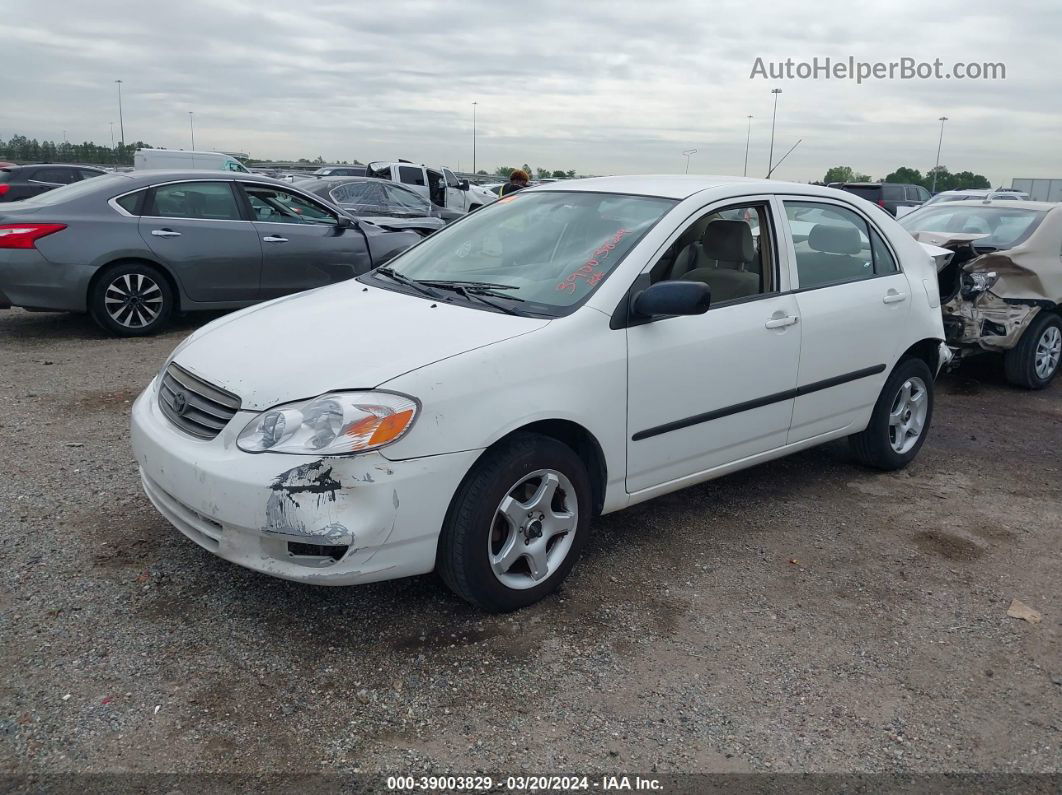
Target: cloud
[{"x": 603, "y": 88}]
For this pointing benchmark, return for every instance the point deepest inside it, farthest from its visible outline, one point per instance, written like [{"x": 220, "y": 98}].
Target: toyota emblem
[{"x": 180, "y": 403}]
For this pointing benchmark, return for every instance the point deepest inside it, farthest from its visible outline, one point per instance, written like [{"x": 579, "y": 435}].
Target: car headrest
[
  {"x": 730, "y": 241},
  {"x": 832, "y": 239}
]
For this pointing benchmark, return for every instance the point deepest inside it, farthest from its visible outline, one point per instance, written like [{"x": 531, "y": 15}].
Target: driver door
[
  {"x": 456, "y": 199},
  {"x": 302, "y": 245},
  {"x": 707, "y": 390}
]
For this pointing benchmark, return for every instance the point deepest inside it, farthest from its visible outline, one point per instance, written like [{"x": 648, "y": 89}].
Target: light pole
[
  {"x": 114, "y": 154},
  {"x": 774, "y": 115},
  {"x": 121, "y": 120},
  {"x": 748, "y": 137},
  {"x": 940, "y": 142},
  {"x": 191, "y": 128},
  {"x": 474, "y": 137},
  {"x": 687, "y": 155}
]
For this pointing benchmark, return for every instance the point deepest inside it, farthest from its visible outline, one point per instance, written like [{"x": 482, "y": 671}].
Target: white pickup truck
[{"x": 440, "y": 185}]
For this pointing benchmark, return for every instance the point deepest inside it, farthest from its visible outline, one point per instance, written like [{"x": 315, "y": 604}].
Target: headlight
[
  {"x": 978, "y": 282},
  {"x": 332, "y": 424}
]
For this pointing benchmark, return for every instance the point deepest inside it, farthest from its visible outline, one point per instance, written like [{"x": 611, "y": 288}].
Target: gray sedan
[{"x": 133, "y": 248}]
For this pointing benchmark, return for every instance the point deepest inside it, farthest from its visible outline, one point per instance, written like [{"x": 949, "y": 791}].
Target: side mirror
[
  {"x": 343, "y": 222},
  {"x": 463, "y": 185},
  {"x": 673, "y": 298}
]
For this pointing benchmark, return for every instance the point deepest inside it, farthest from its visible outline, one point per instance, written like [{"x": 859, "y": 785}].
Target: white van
[{"x": 186, "y": 159}]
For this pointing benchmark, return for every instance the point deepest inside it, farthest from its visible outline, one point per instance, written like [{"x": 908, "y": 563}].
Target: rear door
[
  {"x": 852, "y": 299},
  {"x": 302, "y": 244},
  {"x": 413, "y": 177},
  {"x": 198, "y": 230}
]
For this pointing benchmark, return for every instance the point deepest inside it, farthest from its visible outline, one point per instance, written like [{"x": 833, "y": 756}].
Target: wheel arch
[
  {"x": 166, "y": 274},
  {"x": 928, "y": 350}
]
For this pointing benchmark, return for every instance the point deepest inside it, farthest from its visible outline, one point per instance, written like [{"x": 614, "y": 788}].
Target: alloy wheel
[
  {"x": 133, "y": 300},
  {"x": 907, "y": 419},
  {"x": 1048, "y": 352},
  {"x": 533, "y": 529}
]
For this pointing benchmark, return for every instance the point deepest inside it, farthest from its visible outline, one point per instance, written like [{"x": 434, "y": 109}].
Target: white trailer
[{"x": 1040, "y": 190}]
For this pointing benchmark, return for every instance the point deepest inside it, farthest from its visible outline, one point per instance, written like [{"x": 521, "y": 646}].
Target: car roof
[
  {"x": 149, "y": 176},
  {"x": 680, "y": 186}
]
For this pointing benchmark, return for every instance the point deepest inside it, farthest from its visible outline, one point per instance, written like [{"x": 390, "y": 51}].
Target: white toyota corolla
[{"x": 565, "y": 352}]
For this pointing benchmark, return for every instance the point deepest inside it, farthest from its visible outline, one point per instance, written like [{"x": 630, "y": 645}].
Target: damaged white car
[
  {"x": 1001, "y": 287},
  {"x": 568, "y": 351}
]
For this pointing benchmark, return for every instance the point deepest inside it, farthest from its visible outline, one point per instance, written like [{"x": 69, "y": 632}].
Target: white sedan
[{"x": 568, "y": 351}]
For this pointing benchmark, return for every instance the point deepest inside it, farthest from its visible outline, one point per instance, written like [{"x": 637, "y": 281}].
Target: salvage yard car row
[{"x": 569, "y": 351}]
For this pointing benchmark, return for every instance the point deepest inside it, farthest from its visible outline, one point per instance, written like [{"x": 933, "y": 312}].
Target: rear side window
[
  {"x": 357, "y": 193},
  {"x": 5, "y": 175},
  {"x": 89, "y": 173},
  {"x": 411, "y": 175},
  {"x": 211, "y": 201},
  {"x": 60, "y": 176},
  {"x": 884, "y": 262},
  {"x": 132, "y": 203},
  {"x": 836, "y": 245},
  {"x": 892, "y": 193}
]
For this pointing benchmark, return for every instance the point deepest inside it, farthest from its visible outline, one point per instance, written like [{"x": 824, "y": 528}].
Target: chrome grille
[{"x": 193, "y": 405}]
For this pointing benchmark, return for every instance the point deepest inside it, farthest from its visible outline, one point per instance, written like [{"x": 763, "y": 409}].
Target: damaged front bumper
[{"x": 338, "y": 520}]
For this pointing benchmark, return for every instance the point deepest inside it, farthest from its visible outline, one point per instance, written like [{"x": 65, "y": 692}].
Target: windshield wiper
[
  {"x": 394, "y": 275},
  {"x": 469, "y": 284},
  {"x": 472, "y": 291}
]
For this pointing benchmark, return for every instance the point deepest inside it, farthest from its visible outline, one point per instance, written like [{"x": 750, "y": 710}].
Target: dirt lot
[{"x": 803, "y": 615}]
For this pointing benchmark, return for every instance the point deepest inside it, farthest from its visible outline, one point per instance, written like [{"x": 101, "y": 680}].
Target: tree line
[
  {"x": 540, "y": 173},
  {"x": 21, "y": 149},
  {"x": 945, "y": 180}
]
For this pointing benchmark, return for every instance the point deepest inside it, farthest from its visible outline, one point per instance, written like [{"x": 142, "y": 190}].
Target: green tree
[
  {"x": 503, "y": 171},
  {"x": 482, "y": 173},
  {"x": 571, "y": 174},
  {"x": 542, "y": 173},
  {"x": 839, "y": 174},
  {"x": 906, "y": 176},
  {"x": 558, "y": 174}
]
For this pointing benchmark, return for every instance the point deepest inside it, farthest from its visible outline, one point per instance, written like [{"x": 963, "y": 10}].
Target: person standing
[{"x": 518, "y": 180}]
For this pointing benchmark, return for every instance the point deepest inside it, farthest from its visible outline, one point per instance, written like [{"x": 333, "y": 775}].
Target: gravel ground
[{"x": 805, "y": 615}]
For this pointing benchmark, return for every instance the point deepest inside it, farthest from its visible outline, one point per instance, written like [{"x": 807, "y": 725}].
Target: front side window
[
  {"x": 411, "y": 175},
  {"x": 278, "y": 206},
  {"x": 212, "y": 201},
  {"x": 832, "y": 244},
  {"x": 542, "y": 252},
  {"x": 731, "y": 250}
]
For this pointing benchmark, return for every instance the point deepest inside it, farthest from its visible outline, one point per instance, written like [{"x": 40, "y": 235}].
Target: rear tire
[
  {"x": 1034, "y": 361},
  {"x": 901, "y": 418},
  {"x": 131, "y": 300},
  {"x": 516, "y": 525}
]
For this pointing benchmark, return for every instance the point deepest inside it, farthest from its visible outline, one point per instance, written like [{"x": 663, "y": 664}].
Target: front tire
[
  {"x": 1033, "y": 362},
  {"x": 516, "y": 525},
  {"x": 901, "y": 418},
  {"x": 131, "y": 300}
]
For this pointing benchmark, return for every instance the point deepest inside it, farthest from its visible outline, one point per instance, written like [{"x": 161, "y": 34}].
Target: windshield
[
  {"x": 548, "y": 251},
  {"x": 1005, "y": 227},
  {"x": 114, "y": 183}
]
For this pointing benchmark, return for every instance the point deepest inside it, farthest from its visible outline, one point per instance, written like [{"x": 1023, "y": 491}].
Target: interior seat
[
  {"x": 721, "y": 261},
  {"x": 837, "y": 255}
]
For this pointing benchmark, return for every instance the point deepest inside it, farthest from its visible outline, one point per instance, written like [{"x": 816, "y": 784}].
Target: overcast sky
[{"x": 605, "y": 88}]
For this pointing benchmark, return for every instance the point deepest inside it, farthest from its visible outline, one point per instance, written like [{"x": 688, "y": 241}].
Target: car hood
[{"x": 345, "y": 336}]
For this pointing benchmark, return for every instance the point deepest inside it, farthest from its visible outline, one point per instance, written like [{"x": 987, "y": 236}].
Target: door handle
[
  {"x": 165, "y": 233},
  {"x": 781, "y": 322},
  {"x": 274, "y": 239},
  {"x": 893, "y": 297}
]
